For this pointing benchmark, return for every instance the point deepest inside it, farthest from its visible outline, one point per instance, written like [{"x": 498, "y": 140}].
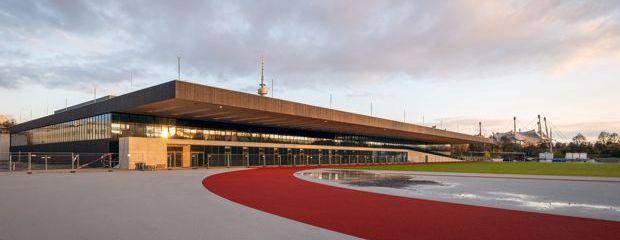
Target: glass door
[
  {"x": 198, "y": 159},
  {"x": 175, "y": 159}
]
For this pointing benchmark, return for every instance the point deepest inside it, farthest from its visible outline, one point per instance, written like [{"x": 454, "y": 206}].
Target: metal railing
[
  {"x": 56, "y": 161},
  {"x": 47, "y": 161},
  {"x": 257, "y": 160}
]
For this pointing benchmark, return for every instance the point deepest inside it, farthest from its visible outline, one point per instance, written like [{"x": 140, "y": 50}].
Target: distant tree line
[
  {"x": 606, "y": 145},
  {"x": 5, "y": 123}
]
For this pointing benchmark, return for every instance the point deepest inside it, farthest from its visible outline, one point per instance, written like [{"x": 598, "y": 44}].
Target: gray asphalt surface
[
  {"x": 588, "y": 197},
  {"x": 134, "y": 205}
]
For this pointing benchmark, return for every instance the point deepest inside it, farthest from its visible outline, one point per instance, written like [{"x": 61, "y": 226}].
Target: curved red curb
[{"x": 378, "y": 216}]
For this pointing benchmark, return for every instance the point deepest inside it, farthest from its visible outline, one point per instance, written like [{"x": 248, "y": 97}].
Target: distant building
[
  {"x": 527, "y": 138},
  {"x": 545, "y": 156},
  {"x": 576, "y": 156}
]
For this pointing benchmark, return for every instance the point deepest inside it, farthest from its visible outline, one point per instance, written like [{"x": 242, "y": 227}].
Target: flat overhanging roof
[{"x": 184, "y": 100}]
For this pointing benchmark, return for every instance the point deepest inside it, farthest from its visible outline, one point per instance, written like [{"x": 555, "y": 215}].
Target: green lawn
[{"x": 532, "y": 168}]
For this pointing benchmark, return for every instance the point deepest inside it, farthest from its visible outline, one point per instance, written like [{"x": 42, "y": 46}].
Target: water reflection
[
  {"x": 529, "y": 201},
  {"x": 366, "y": 179}
]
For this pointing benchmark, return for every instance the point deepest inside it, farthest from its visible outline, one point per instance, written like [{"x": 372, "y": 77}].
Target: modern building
[{"x": 182, "y": 124}]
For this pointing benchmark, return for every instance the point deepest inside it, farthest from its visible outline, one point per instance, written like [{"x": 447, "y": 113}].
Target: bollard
[
  {"x": 72, "y": 163},
  {"x": 110, "y": 162},
  {"x": 29, "y": 163}
]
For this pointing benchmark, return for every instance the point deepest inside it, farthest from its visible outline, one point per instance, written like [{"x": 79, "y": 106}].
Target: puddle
[
  {"x": 528, "y": 201},
  {"x": 366, "y": 179}
]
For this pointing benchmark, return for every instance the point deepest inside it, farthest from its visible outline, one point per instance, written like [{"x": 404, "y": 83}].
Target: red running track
[{"x": 378, "y": 216}]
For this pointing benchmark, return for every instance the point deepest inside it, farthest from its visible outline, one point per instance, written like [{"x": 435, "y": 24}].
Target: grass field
[{"x": 532, "y": 168}]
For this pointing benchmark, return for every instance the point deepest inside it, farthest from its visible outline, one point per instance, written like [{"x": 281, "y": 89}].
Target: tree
[
  {"x": 459, "y": 149},
  {"x": 507, "y": 145},
  {"x": 603, "y": 137},
  {"x": 477, "y": 147},
  {"x": 579, "y": 139},
  {"x": 6, "y": 122},
  {"x": 614, "y": 138}
]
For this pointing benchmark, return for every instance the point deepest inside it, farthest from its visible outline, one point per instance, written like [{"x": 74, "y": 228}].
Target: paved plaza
[{"x": 134, "y": 205}]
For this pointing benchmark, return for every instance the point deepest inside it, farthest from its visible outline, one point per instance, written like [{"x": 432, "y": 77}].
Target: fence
[
  {"x": 48, "y": 161},
  {"x": 54, "y": 161},
  {"x": 255, "y": 160}
]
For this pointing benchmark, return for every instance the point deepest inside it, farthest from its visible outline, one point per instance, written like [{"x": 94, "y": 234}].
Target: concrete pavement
[{"x": 134, "y": 205}]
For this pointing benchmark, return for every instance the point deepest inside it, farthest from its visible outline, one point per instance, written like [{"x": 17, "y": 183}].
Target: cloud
[
  {"x": 589, "y": 129},
  {"x": 75, "y": 43},
  {"x": 561, "y": 132}
]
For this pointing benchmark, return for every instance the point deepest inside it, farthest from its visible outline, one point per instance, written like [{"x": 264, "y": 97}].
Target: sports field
[{"x": 529, "y": 168}]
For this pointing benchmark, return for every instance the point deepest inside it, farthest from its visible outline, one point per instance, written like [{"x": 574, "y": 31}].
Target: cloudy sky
[{"x": 451, "y": 63}]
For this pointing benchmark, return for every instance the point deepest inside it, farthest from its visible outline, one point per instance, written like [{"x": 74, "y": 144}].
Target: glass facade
[
  {"x": 92, "y": 128},
  {"x": 128, "y": 125},
  {"x": 112, "y": 126}
]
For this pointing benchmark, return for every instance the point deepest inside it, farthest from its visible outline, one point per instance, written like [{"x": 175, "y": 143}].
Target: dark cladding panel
[
  {"x": 96, "y": 146},
  {"x": 162, "y": 92}
]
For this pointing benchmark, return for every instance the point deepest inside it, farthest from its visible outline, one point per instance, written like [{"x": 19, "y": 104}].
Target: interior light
[
  {"x": 164, "y": 132},
  {"x": 172, "y": 131}
]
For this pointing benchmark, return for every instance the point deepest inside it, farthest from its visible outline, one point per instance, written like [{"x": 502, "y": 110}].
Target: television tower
[{"x": 263, "y": 87}]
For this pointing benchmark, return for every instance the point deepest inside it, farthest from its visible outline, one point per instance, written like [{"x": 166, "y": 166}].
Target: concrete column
[
  {"x": 187, "y": 156},
  {"x": 151, "y": 151}
]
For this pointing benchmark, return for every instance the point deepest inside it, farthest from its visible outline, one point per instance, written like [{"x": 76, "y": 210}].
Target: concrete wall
[
  {"x": 151, "y": 151},
  {"x": 5, "y": 144},
  {"x": 420, "y": 157}
]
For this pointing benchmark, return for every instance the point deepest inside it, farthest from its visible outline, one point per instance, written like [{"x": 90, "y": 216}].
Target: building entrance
[
  {"x": 198, "y": 160},
  {"x": 175, "y": 159}
]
